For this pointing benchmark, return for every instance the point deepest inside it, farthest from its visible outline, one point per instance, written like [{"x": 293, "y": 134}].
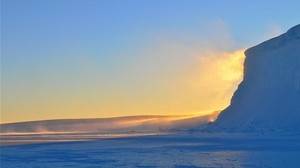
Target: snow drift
[
  {"x": 268, "y": 98},
  {"x": 109, "y": 125}
]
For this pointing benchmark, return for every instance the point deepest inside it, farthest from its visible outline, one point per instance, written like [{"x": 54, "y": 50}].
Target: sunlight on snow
[{"x": 217, "y": 77}]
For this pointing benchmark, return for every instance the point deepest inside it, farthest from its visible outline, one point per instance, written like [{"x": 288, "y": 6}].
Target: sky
[{"x": 108, "y": 58}]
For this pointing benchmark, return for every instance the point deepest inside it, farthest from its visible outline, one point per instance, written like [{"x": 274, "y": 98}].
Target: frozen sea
[{"x": 186, "y": 150}]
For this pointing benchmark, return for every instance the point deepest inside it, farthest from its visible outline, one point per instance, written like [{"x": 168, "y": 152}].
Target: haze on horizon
[{"x": 95, "y": 59}]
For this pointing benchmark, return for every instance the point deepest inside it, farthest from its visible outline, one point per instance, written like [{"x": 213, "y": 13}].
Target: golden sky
[
  {"x": 97, "y": 59},
  {"x": 171, "y": 81}
]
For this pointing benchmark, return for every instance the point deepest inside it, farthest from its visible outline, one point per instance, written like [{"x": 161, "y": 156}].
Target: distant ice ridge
[
  {"x": 130, "y": 124},
  {"x": 268, "y": 98}
]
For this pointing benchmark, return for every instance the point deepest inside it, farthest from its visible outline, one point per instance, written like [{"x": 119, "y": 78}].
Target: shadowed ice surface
[{"x": 172, "y": 150}]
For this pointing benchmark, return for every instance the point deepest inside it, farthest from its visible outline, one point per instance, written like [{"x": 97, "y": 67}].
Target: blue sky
[{"x": 53, "y": 50}]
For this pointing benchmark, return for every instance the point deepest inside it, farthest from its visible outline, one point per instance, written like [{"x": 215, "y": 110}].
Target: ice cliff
[{"x": 268, "y": 98}]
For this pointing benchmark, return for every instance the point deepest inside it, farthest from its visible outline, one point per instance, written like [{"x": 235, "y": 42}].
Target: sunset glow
[
  {"x": 217, "y": 77},
  {"x": 197, "y": 88},
  {"x": 86, "y": 62}
]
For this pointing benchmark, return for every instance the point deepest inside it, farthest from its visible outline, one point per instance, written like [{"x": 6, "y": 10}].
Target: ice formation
[{"x": 268, "y": 98}]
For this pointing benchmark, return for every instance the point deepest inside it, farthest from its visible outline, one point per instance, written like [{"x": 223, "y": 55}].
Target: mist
[{"x": 92, "y": 129}]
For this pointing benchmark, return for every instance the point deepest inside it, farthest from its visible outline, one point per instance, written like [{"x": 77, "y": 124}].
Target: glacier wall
[{"x": 268, "y": 98}]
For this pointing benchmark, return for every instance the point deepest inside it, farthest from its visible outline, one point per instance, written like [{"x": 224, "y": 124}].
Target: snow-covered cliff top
[{"x": 292, "y": 34}]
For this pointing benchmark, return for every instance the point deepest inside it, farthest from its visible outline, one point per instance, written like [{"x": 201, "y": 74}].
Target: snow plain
[{"x": 187, "y": 150}]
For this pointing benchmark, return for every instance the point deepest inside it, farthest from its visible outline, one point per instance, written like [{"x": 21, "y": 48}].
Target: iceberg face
[{"x": 268, "y": 98}]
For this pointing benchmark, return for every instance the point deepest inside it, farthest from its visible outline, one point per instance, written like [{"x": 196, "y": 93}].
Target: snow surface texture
[
  {"x": 268, "y": 98},
  {"x": 172, "y": 151}
]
